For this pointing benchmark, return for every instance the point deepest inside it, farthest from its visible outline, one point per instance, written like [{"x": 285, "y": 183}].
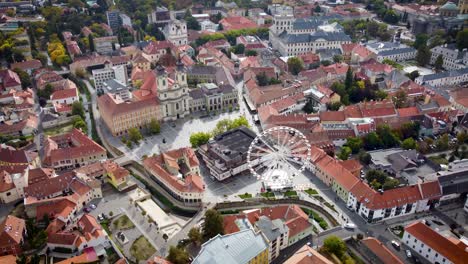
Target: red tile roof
[
  {"x": 116, "y": 170},
  {"x": 157, "y": 165},
  {"x": 237, "y": 22},
  {"x": 80, "y": 145},
  {"x": 27, "y": 65},
  {"x": 9, "y": 79},
  {"x": 455, "y": 253},
  {"x": 329, "y": 116},
  {"x": 408, "y": 111},
  {"x": 64, "y": 94},
  {"x": 12, "y": 230},
  {"x": 381, "y": 251}
]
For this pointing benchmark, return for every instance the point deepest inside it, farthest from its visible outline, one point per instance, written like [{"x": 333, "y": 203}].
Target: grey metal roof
[
  {"x": 200, "y": 69},
  {"x": 445, "y": 74},
  {"x": 236, "y": 248},
  {"x": 303, "y": 38},
  {"x": 396, "y": 51},
  {"x": 271, "y": 229}
]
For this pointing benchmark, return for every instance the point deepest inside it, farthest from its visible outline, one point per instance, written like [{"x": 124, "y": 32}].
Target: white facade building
[
  {"x": 434, "y": 247},
  {"x": 454, "y": 77},
  {"x": 392, "y": 51},
  {"x": 173, "y": 94},
  {"x": 176, "y": 32},
  {"x": 207, "y": 25},
  {"x": 452, "y": 57},
  {"x": 109, "y": 72}
]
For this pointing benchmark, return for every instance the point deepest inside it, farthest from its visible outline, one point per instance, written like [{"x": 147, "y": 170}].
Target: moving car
[
  {"x": 408, "y": 253},
  {"x": 396, "y": 245}
]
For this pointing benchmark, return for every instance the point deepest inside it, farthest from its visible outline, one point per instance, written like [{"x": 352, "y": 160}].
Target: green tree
[
  {"x": 199, "y": 138},
  {"x": 421, "y": 40},
  {"x": 372, "y": 141},
  {"x": 43, "y": 58},
  {"x": 391, "y": 17},
  {"x": 334, "y": 245},
  {"x": 46, "y": 92},
  {"x": 154, "y": 127},
  {"x": 134, "y": 135},
  {"x": 78, "y": 109},
  {"x": 345, "y": 152},
  {"x": 389, "y": 139},
  {"x": 213, "y": 224},
  {"x": 349, "y": 80},
  {"x": 408, "y": 143},
  {"x": 442, "y": 143},
  {"x": 238, "y": 49},
  {"x": 409, "y": 129},
  {"x": 262, "y": 79},
  {"x": 364, "y": 157},
  {"x": 195, "y": 235},
  {"x": 354, "y": 143},
  {"x": 400, "y": 99},
  {"x": 423, "y": 56},
  {"x": 439, "y": 63},
  {"x": 334, "y": 106},
  {"x": 192, "y": 23},
  {"x": 390, "y": 183},
  {"x": 91, "y": 42},
  {"x": 24, "y": 78},
  {"x": 79, "y": 123},
  {"x": 317, "y": 9},
  {"x": 337, "y": 58},
  {"x": 308, "y": 107},
  {"x": 295, "y": 65},
  {"x": 251, "y": 53},
  {"x": 413, "y": 75},
  {"x": 178, "y": 255},
  {"x": 462, "y": 39}
]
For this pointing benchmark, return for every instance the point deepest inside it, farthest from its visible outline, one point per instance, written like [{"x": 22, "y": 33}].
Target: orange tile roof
[
  {"x": 332, "y": 116},
  {"x": 237, "y": 22},
  {"x": 381, "y": 251},
  {"x": 62, "y": 207},
  {"x": 444, "y": 246},
  {"x": 80, "y": 146},
  {"x": 118, "y": 171},
  {"x": 64, "y": 94},
  {"x": 12, "y": 229},
  {"x": 307, "y": 255},
  {"x": 408, "y": 111},
  {"x": 191, "y": 183}
]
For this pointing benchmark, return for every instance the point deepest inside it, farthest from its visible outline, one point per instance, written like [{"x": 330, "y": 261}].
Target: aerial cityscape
[{"x": 233, "y": 132}]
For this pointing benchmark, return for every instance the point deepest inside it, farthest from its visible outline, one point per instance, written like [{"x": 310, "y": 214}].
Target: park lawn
[
  {"x": 268, "y": 195},
  {"x": 123, "y": 222},
  {"x": 245, "y": 195},
  {"x": 141, "y": 249},
  {"x": 439, "y": 160},
  {"x": 290, "y": 193},
  {"x": 311, "y": 191},
  {"x": 59, "y": 130}
]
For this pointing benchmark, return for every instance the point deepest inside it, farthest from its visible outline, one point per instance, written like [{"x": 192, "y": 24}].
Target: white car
[
  {"x": 395, "y": 244},
  {"x": 350, "y": 226},
  {"x": 408, "y": 253},
  {"x": 93, "y": 206}
]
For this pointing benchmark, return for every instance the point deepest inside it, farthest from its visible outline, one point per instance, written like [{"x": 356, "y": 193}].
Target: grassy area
[
  {"x": 59, "y": 130},
  {"x": 322, "y": 223},
  {"x": 331, "y": 206},
  {"x": 290, "y": 193},
  {"x": 268, "y": 195},
  {"x": 229, "y": 212},
  {"x": 123, "y": 222},
  {"x": 311, "y": 191},
  {"x": 245, "y": 195},
  {"x": 141, "y": 249},
  {"x": 105, "y": 226},
  {"x": 439, "y": 160}
]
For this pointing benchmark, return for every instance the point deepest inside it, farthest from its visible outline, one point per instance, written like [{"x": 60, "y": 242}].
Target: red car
[{"x": 87, "y": 210}]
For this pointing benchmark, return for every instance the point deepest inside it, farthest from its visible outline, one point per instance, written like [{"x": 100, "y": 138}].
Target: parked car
[
  {"x": 93, "y": 206},
  {"x": 350, "y": 226},
  {"x": 100, "y": 218},
  {"x": 87, "y": 210},
  {"x": 416, "y": 260},
  {"x": 408, "y": 253},
  {"x": 396, "y": 245}
]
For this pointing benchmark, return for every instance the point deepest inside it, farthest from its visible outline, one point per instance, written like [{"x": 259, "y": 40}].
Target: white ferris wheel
[{"x": 277, "y": 155}]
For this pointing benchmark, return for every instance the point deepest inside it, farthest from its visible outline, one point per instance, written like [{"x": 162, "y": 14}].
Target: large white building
[
  {"x": 445, "y": 78},
  {"x": 433, "y": 246},
  {"x": 176, "y": 32},
  {"x": 173, "y": 95},
  {"x": 392, "y": 51},
  {"x": 454, "y": 59},
  {"x": 109, "y": 72},
  {"x": 293, "y": 37}
]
